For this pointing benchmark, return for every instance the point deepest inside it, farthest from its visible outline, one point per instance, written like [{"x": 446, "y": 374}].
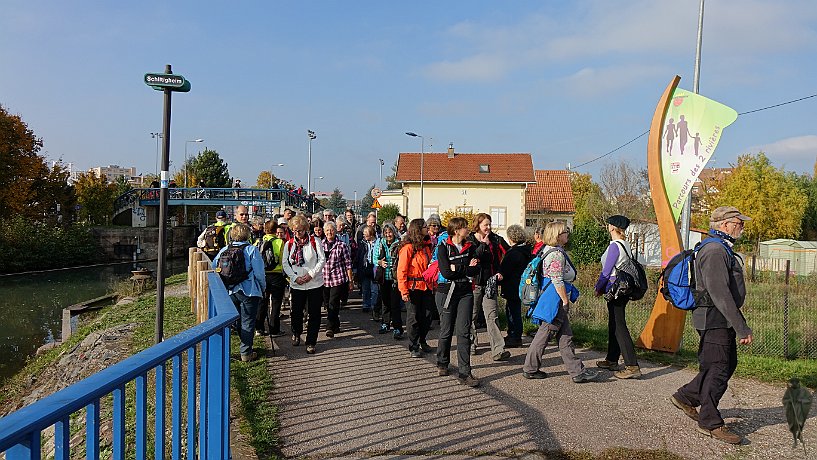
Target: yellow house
[{"x": 493, "y": 183}]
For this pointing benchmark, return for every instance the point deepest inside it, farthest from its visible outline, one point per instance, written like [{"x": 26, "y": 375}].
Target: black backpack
[
  {"x": 214, "y": 239},
  {"x": 268, "y": 254},
  {"x": 232, "y": 267},
  {"x": 631, "y": 279}
]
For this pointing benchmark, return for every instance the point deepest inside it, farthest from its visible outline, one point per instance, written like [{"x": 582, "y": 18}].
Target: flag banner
[{"x": 692, "y": 129}]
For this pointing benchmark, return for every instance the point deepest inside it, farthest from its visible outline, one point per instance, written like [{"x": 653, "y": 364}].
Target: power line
[{"x": 647, "y": 131}]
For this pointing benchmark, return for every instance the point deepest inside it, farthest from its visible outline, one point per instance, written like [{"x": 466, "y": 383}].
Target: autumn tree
[
  {"x": 95, "y": 196},
  {"x": 626, "y": 191},
  {"x": 770, "y": 196},
  {"x": 336, "y": 202},
  {"x": 209, "y": 166}
]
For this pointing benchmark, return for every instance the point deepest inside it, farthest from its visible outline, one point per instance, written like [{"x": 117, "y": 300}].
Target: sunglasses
[{"x": 243, "y": 214}]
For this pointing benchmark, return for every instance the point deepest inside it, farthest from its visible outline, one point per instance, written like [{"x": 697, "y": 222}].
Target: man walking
[{"x": 720, "y": 292}]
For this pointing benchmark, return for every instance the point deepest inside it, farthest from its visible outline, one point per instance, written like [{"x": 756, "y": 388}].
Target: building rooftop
[
  {"x": 466, "y": 167},
  {"x": 551, "y": 192}
]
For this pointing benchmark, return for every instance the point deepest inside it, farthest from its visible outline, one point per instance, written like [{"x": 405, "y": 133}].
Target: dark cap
[
  {"x": 727, "y": 212},
  {"x": 619, "y": 221},
  {"x": 221, "y": 215}
]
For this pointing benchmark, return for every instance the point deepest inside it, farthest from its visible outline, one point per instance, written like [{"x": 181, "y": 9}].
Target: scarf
[
  {"x": 297, "y": 256},
  {"x": 724, "y": 236}
]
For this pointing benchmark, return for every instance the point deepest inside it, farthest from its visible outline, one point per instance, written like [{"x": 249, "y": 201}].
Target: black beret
[{"x": 619, "y": 221}]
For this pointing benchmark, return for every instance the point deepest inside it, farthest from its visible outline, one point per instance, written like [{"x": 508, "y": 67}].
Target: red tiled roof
[
  {"x": 552, "y": 192},
  {"x": 465, "y": 167}
]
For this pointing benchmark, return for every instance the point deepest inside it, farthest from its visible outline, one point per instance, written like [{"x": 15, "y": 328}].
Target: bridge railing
[
  {"x": 206, "y": 416},
  {"x": 250, "y": 196}
]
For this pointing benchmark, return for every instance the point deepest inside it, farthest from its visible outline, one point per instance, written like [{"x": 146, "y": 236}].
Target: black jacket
[
  {"x": 489, "y": 255},
  {"x": 448, "y": 255},
  {"x": 512, "y": 267},
  {"x": 720, "y": 275}
]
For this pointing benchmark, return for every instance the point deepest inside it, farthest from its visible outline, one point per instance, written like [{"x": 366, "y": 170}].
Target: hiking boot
[
  {"x": 474, "y": 351},
  {"x": 426, "y": 347},
  {"x": 502, "y": 356},
  {"x": 397, "y": 334},
  {"x": 296, "y": 340},
  {"x": 468, "y": 380},
  {"x": 629, "y": 372},
  {"x": 534, "y": 375},
  {"x": 249, "y": 357},
  {"x": 310, "y": 349},
  {"x": 442, "y": 371},
  {"x": 585, "y": 376},
  {"x": 512, "y": 342},
  {"x": 609, "y": 365},
  {"x": 723, "y": 434},
  {"x": 690, "y": 411},
  {"x": 330, "y": 333},
  {"x": 384, "y": 328},
  {"x": 416, "y": 353}
]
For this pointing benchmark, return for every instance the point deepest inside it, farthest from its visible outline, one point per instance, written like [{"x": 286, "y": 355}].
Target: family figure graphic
[{"x": 681, "y": 130}]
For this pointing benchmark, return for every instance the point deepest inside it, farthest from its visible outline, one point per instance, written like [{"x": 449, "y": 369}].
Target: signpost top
[
  {"x": 376, "y": 193},
  {"x": 163, "y": 81}
]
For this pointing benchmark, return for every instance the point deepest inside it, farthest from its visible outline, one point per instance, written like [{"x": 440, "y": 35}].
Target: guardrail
[
  {"x": 231, "y": 196},
  {"x": 207, "y": 429}
]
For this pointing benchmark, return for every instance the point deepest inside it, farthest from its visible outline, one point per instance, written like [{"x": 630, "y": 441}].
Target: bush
[
  {"x": 29, "y": 245},
  {"x": 388, "y": 212},
  {"x": 588, "y": 242}
]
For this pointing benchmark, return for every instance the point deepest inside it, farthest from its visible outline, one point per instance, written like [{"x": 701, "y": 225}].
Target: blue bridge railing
[{"x": 206, "y": 416}]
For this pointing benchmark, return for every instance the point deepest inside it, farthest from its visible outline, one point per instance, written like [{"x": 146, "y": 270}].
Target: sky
[{"x": 566, "y": 81}]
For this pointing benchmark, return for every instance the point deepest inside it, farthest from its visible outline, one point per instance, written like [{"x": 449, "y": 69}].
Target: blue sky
[{"x": 565, "y": 81}]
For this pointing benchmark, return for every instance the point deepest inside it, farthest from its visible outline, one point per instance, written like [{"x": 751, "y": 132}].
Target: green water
[{"x": 31, "y": 305}]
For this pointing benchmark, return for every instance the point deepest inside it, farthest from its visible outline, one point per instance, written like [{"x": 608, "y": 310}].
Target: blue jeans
[
  {"x": 369, "y": 291},
  {"x": 247, "y": 309}
]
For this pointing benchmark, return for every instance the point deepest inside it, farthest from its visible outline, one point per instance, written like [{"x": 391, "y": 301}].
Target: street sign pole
[{"x": 160, "y": 269}]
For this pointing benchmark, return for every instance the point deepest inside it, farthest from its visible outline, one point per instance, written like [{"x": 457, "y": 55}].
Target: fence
[
  {"x": 780, "y": 309},
  {"x": 198, "y": 410}
]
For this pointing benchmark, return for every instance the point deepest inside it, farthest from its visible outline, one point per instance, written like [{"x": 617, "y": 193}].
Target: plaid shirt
[{"x": 338, "y": 263}]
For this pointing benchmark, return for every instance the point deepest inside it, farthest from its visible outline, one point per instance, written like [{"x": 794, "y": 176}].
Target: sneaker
[
  {"x": 330, "y": 333},
  {"x": 534, "y": 375},
  {"x": 585, "y": 376},
  {"x": 296, "y": 340},
  {"x": 277, "y": 334},
  {"x": 416, "y": 353},
  {"x": 442, "y": 371},
  {"x": 690, "y": 411},
  {"x": 426, "y": 347},
  {"x": 629, "y": 372},
  {"x": 609, "y": 365},
  {"x": 310, "y": 349},
  {"x": 397, "y": 334},
  {"x": 468, "y": 380},
  {"x": 722, "y": 433},
  {"x": 502, "y": 356},
  {"x": 474, "y": 351},
  {"x": 384, "y": 328},
  {"x": 512, "y": 342},
  {"x": 249, "y": 357}
]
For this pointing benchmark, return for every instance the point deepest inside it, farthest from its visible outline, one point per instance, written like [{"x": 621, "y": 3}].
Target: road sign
[
  {"x": 163, "y": 81},
  {"x": 376, "y": 193},
  {"x": 375, "y": 204}
]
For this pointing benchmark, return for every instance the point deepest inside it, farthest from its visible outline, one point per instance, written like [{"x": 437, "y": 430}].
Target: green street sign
[{"x": 163, "y": 81}]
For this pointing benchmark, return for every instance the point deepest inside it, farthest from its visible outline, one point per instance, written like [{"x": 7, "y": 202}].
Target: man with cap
[
  {"x": 242, "y": 216},
  {"x": 720, "y": 295},
  {"x": 214, "y": 237},
  {"x": 619, "y": 340}
]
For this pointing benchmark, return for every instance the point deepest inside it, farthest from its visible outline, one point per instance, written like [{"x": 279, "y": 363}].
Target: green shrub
[
  {"x": 587, "y": 242},
  {"x": 29, "y": 245}
]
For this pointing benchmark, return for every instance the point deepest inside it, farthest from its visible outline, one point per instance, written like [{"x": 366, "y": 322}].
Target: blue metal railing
[
  {"x": 20, "y": 431},
  {"x": 219, "y": 196}
]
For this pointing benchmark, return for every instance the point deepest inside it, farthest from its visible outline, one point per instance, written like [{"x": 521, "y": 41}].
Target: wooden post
[
  {"x": 202, "y": 296},
  {"x": 193, "y": 277}
]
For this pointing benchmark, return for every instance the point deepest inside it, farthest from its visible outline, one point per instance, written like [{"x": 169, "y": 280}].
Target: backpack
[
  {"x": 214, "y": 239},
  {"x": 232, "y": 267},
  {"x": 291, "y": 241},
  {"x": 267, "y": 250},
  {"x": 631, "y": 279},
  {"x": 530, "y": 284},
  {"x": 677, "y": 279},
  {"x": 431, "y": 275}
]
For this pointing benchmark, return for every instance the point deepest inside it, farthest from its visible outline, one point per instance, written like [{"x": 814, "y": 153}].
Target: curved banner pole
[{"x": 665, "y": 327}]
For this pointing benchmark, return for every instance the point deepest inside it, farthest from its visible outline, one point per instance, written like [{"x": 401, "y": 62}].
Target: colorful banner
[{"x": 693, "y": 126}]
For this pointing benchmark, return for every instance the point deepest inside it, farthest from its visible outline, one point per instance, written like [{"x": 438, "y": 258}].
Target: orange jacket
[{"x": 410, "y": 268}]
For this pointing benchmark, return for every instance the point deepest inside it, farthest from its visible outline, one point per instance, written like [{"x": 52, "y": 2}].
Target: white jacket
[{"x": 314, "y": 260}]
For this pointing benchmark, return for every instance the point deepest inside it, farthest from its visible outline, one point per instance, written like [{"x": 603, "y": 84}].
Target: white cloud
[
  {"x": 592, "y": 81},
  {"x": 792, "y": 148},
  {"x": 480, "y": 67}
]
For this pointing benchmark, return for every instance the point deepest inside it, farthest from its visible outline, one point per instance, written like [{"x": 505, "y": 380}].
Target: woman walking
[
  {"x": 557, "y": 270},
  {"x": 455, "y": 299},
  {"x": 303, "y": 261},
  {"x": 385, "y": 256},
  {"x": 619, "y": 340},
  {"x": 337, "y": 272},
  {"x": 272, "y": 244},
  {"x": 414, "y": 257},
  {"x": 511, "y": 268},
  {"x": 490, "y": 248},
  {"x": 247, "y": 294}
]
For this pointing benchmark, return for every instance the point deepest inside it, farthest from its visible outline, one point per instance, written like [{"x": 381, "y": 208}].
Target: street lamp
[
  {"x": 311, "y": 135},
  {"x": 381, "y": 169},
  {"x": 315, "y": 182},
  {"x": 156, "y": 136},
  {"x": 422, "y": 147},
  {"x": 186, "y": 184},
  {"x": 354, "y": 207},
  {"x": 270, "y": 172}
]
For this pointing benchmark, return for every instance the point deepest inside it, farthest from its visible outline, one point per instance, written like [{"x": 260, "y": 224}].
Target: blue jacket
[
  {"x": 256, "y": 284},
  {"x": 549, "y": 302}
]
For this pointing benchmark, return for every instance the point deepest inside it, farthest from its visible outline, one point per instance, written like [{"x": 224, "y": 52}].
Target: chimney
[{"x": 450, "y": 150}]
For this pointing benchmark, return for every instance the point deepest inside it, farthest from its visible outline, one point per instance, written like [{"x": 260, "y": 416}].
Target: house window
[
  {"x": 499, "y": 217},
  {"x": 429, "y": 210},
  {"x": 484, "y": 169},
  {"x": 461, "y": 210}
]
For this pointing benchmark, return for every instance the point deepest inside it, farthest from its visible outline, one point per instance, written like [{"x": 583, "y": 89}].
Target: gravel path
[{"x": 362, "y": 396}]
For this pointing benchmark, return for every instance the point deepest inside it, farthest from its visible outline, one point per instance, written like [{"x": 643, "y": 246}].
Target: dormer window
[{"x": 484, "y": 169}]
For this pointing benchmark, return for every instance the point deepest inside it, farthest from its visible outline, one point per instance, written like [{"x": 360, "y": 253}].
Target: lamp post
[
  {"x": 156, "y": 136},
  {"x": 270, "y": 172},
  {"x": 381, "y": 169},
  {"x": 311, "y": 135},
  {"x": 422, "y": 147},
  {"x": 186, "y": 183},
  {"x": 315, "y": 182},
  {"x": 354, "y": 208}
]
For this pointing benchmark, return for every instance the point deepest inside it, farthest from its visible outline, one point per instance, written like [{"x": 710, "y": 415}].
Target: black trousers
[
  {"x": 718, "y": 358},
  {"x": 311, "y": 299},
  {"x": 391, "y": 313},
  {"x": 332, "y": 296},
  {"x": 619, "y": 340},
  {"x": 417, "y": 320},
  {"x": 269, "y": 312}
]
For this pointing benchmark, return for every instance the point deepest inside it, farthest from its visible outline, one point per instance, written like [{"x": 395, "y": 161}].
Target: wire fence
[{"x": 781, "y": 309}]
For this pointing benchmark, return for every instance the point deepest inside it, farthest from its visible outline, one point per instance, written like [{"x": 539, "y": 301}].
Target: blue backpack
[
  {"x": 530, "y": 284},
  {"x": 677, "y": 279}
]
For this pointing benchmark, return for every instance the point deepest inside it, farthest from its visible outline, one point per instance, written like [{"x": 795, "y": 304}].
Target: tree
[
  {"x": 451, "y": 213},
  {"x": 366, "y": 202},
  {"x": 336, "y": 202},
  {"x": 770, "y": 196},
  {"x": 387, "y": 212},
  {"x": 589, "y": 238},
  {"x": 808, "y": 225},
  {"x": 391, "y": 181},
  {"x": 95, "y": 197},
  {"x": 626, "y": 191},
  {"x": 209, "y": 166}
]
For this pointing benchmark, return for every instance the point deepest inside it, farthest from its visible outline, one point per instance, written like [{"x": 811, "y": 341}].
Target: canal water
[{"x": 31, "y": 305}]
